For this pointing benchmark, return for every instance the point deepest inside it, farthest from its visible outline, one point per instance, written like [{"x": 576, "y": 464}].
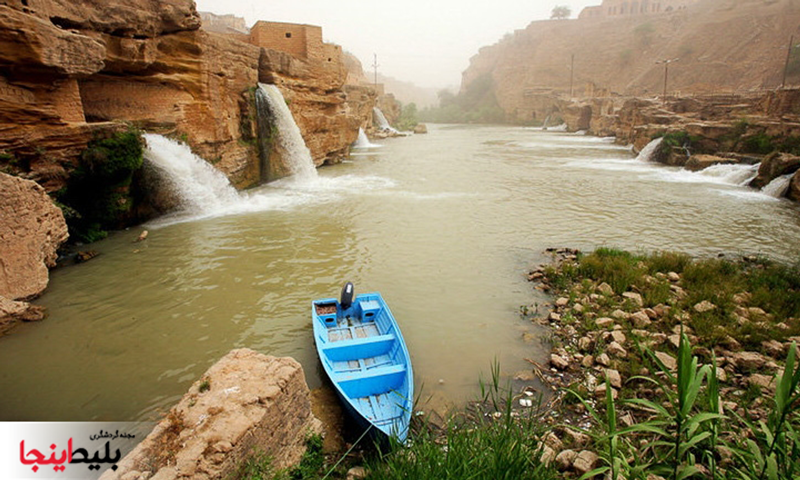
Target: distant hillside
[
  {"x": 720, "y": 46},
  {"x": 407, "y": 92}
]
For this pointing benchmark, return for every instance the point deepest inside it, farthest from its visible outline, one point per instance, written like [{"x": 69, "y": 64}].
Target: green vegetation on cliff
[{"x": 98, "y": 195}]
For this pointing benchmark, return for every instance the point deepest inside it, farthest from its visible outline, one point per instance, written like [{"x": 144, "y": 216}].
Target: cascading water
[
  {"x": 199, "y": 188},
  {"x": 647, "y": 153},
  {"x": 380, "y": 119},
  {"x": 734, "y": 174},
  {"x": 778, "y": 187},
  {"x": 363, "y": 141},
  {"x": 277, "y": 124}
]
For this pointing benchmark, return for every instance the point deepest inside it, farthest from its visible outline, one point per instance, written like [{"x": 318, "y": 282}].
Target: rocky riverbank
[{"x": 618, "y": 321}]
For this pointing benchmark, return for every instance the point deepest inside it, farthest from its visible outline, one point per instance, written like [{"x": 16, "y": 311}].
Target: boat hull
[{"x": 365, "y": 356}]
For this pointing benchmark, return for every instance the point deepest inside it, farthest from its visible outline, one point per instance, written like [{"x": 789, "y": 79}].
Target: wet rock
[
  {"x": 142, "y": 236},
  {"x": 85, "y": 256},
  {"x": 774, "y": 166},
  {"x": 585, "y": 462}
]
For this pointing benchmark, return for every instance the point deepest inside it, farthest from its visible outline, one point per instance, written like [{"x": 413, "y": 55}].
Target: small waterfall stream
[
  {"x": 381, "y": 121},
  {"x": 647, "y": 153},
  {"x": 363, "y": 141},
  {"x": 276, "y": 123},
  {"x": 778, "y": 187}
]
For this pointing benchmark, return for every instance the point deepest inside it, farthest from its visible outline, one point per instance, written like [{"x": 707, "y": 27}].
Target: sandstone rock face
[
  {"x": 794, "y": 188},
  {"x": 773, "y": 166},
  {"x": 31, "y": 230},
  {"x": 617, "y": 55},
  {"x": 245, "y": 403},
  {"x": 71, "y": 69}
]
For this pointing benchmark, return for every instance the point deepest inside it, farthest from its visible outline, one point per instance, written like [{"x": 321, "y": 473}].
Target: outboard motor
[{"x": 348, "y": 292}]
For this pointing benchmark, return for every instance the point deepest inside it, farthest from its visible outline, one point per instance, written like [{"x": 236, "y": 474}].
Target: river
[{"x": 444, "y": 225}]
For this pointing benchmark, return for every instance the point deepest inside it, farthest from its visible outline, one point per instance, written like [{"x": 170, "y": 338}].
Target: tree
[{"x": 560, "y": 12}]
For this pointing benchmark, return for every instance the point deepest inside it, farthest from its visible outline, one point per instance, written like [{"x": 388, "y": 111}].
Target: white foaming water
[
  {"x": 363, "y": 141},
  {"x": 778, "y": 187},
  {"x": 383, "y": 124},
  {"x": 197, "y": 185},
  {"x": 290, "y": 141},
  {"x": 205, "y": 192},
  {"x": 646, "y": 155}
]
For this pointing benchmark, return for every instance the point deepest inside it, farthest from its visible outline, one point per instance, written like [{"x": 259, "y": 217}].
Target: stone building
[
  {"x": 621, "y": 8},
  {"x": 301, "y": 41}
]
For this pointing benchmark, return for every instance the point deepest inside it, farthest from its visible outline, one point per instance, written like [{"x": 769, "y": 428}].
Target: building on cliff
[
  {"x": 621, "y": 8},
  {"x": 302, "y": 41}
]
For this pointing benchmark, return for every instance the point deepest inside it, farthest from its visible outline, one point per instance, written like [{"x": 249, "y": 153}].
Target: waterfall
[
  {"x": 546, "y": 121},
  {"x": 778, "y": 187},
  {"x": 647, "y": 153},
  {"x": 363, "y": 141},
  {"x": 734, "y": 174},
  {"x": 380, "y": 119},
  {"x": 198, "y": 187},
  {"x": 277, "y": 123}
]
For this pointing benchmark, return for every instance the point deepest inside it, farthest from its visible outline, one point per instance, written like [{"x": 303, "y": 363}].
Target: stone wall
[{"x": 246, "y": 403}]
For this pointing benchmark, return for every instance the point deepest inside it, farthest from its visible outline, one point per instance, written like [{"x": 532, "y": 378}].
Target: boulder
[
  {"x": 31, "y": 230},
  {"x": 794, "y": 188},
  {"x": 246, "y": 403},
  {"x": 700, "y": 162},
  {"x": 12, "y": 312},
  {"x": 585, "y": 462},
  {"x": 773, "y": 166},
  {"x": 421, "y": 128}
]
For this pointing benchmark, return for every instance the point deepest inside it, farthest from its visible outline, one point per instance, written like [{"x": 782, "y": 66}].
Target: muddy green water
[{"x": 444, "y": 225}]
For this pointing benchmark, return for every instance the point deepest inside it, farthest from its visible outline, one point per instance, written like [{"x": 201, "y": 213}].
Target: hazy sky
[{"x": 426, "y": 42}]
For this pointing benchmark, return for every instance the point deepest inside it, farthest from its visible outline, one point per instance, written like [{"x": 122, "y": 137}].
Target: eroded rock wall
[{"x": 31, "y": 230}]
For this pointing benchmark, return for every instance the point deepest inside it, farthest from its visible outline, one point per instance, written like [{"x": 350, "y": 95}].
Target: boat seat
[
  {"x": 359, "y": 347},
  {"x": 371, "y": 382},
  {"x": 371, "y": 373}
]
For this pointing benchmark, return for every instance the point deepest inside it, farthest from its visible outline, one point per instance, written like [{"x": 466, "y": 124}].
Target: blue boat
[{"x": 364, "y": 355}]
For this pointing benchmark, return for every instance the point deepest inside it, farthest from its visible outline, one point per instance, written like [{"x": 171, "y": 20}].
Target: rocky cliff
[
  {"x": 31, "y": 230},
  {"x": 720, "y": 45},
  {"x": 70, "y": 72}
]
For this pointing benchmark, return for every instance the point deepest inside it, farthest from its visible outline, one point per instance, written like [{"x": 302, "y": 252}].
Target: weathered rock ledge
[
  {"x": 31, "y": 230},
  {"x": 246, "y": 403}
]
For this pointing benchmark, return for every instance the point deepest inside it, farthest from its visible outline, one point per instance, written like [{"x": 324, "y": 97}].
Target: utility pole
[
  {"x": 571, "y": 75},
  {"x": 375, "y": 68},
  {"x": 666, "y": 74},
  {"x": 788, "y": 58}
]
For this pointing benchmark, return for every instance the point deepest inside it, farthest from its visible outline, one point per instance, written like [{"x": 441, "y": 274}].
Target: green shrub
[{"x": 98, "y": 189}]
